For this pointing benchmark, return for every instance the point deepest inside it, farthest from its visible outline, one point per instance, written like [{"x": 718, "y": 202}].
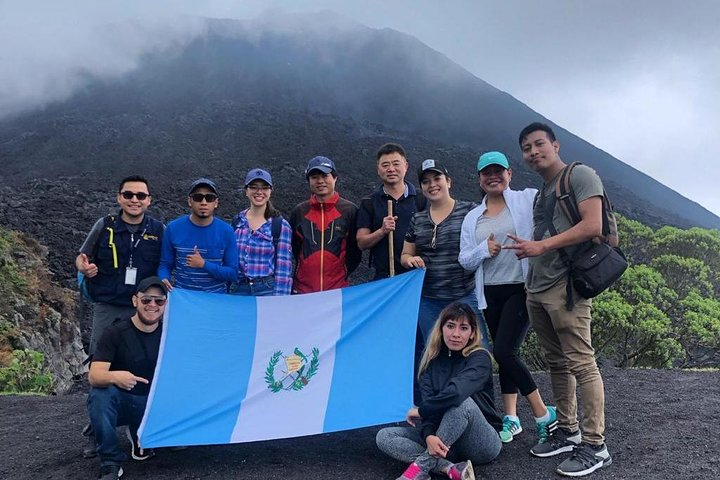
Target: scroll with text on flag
[{"x": 239, "y": 369}]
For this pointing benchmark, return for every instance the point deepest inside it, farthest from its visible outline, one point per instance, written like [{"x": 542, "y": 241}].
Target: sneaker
[
  {"x": 559, "y": 441},
  {"x": 90, "y": 450},
  {"x": 110, "y": 472},
  {"x": 545, "y": 429},
  {"x": 136, "y": 452},
  {"x": 510, "y": 429},
  {"x": 413, "y": 472},
  {"x": 87, "y": 430},
  {"x": 461, "y": 471},
  {"x": 585, "y": 459}
]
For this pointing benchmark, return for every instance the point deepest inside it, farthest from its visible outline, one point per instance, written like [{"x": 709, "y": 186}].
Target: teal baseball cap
[{"x": 492, "y": 158}]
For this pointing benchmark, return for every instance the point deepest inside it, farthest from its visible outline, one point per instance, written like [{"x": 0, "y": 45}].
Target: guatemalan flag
[{"x": 239, "y": 369}]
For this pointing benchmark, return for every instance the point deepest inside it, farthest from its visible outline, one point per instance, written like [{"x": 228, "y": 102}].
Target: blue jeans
[
  {"x": 109, "y": 408},
  {"x": 261, "y": 287},
  {"x": 430, "y": 309}
]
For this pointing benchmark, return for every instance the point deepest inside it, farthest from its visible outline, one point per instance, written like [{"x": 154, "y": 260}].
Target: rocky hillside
[{"x": 36, "y": 313}]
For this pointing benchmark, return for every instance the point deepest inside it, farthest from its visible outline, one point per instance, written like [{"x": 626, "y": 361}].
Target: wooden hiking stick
[{"x": 391, "y": 243}]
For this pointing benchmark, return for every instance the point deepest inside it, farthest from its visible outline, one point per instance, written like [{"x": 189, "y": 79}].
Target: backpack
[
  {"x": 275, "y": 230},
  {"x": 566, "y": 198},
  {"x": 598, "y": 263},
  {"x": 82, "y": 281}
]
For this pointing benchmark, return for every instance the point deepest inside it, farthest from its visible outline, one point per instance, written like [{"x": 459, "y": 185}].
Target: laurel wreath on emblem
[{"x": 297, "y": 380}]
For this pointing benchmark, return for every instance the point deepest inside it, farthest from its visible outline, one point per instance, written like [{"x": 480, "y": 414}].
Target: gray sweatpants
[{"x": 463, "y": 429}]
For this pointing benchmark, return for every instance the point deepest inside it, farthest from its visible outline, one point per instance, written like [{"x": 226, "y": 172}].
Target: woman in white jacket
[{"x": 500, "y": 285}]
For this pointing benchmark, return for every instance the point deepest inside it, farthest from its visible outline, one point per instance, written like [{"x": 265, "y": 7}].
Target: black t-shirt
[{"x": 127, "y": 348}]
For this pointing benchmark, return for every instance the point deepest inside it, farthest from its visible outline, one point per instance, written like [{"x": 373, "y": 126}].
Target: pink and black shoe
[
  {"x": 413, "y": 472},
  {"x": 461, "y": 471}
]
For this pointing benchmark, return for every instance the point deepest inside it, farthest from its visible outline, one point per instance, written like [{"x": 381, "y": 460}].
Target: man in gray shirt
[{"x": 564, "y": 334}]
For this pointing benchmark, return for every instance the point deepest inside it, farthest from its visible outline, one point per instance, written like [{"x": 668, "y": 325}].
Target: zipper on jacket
[{"x": 322, "y": 247}]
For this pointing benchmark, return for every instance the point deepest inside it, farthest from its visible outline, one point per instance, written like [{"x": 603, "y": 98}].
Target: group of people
[{"x": 492, "y": 271}]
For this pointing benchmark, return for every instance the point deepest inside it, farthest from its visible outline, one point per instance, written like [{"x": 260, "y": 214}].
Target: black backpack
[{"x": 596, "y": 264}]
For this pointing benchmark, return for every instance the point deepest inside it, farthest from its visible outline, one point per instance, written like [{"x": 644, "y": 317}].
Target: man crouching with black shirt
[{"x": 120, "y": 376}]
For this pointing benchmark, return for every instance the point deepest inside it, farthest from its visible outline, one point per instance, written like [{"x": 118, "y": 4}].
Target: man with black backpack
[
  {"x": 560, "y": 316},
  {"x": 120, "y": 250},
  {"x": 374, "y": 223}
]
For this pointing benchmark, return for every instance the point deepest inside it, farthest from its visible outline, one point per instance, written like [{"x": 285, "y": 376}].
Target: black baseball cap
[
  {"x": 148, "y": 282},
  {"x": 203, "y": 182},
  {"x": 431, "y": 165}
]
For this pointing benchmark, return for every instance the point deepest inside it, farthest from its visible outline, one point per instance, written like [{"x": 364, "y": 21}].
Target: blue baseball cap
[
  {"x": 203, "y": 182},
  {"x": 492, "y": 158},
  {"x": 323, "y": 164},
  {"x": 258, "y": 174}
]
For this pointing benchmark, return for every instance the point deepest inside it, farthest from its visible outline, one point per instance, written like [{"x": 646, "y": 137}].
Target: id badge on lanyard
[
  {"x": 130, "y": 276},
  {"x": 130, "y": 271}
]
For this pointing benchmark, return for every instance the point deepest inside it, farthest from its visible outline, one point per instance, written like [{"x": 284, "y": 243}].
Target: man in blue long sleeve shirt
[{"x": 199, "y": 249}]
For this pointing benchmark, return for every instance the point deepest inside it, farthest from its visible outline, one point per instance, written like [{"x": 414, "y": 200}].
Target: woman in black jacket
[{"x": 453, "y": 421}]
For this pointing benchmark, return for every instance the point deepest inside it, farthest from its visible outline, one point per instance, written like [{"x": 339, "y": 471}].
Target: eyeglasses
[
  {"x": 127, "y": 195},
  {"x": 258, "y": 188},
  {"x": 148, "y": 299},
  {"x": 199, "y": 197}
]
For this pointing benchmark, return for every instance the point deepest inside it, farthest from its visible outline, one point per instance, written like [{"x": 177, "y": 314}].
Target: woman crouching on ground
[
  {"x": 449, "y": 425},
  {"x": 263, "y": 241}
]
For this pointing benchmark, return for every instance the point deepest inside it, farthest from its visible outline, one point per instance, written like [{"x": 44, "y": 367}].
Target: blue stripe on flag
[
  {"x": 190, "y": 406},
  {"x": 372, "y": 379}
]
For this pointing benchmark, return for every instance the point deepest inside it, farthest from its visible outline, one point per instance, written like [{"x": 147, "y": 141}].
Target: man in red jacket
[{"x": 323, "y": 242}]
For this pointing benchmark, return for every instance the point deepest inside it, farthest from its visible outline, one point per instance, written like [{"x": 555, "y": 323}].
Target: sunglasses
[
  {"x": 199, "y": 197},
  {"x": 127, "y": 195},
  {"x": 433, "y": 240},
  {"x": 148, "y": 299}
]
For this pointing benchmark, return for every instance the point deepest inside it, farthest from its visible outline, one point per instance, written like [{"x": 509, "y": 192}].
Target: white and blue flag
[{"x": 239, "y": 369}]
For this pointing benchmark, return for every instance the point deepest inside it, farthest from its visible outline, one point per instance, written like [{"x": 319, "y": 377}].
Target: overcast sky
[{"x": 639, "y": 79}]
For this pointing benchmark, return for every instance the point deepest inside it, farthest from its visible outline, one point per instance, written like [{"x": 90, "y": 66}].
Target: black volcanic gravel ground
[{"x": 660, "y": 425}]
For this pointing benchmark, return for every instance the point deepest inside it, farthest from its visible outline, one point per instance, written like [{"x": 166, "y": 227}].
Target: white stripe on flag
[{"x": 284, "y": 324}]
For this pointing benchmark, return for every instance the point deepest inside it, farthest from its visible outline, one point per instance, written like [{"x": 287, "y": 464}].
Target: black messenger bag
[{"x": 595, "y": 265}]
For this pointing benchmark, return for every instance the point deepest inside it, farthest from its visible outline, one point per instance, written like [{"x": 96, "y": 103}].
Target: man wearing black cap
[
  {"x": 198, "y": 248},
  {"x": 121, "y": 373},
  {"x": 323, "y": 242}
]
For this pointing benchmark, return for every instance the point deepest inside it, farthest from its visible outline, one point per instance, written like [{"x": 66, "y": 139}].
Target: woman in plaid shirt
[{"x": 264, "y": 263}]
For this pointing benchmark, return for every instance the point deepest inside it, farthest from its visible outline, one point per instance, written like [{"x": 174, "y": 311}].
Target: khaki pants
[{"x": 565, "y": 338}]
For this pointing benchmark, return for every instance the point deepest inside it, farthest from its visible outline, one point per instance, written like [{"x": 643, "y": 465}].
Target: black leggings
[{"x": 507, "y": 319}]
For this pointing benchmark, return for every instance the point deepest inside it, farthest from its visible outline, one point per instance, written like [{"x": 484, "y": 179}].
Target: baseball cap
[
  {"x": 258, "y": 174},
  {"x": 324, "y": 164},
  {"x": 203, "y": 182},
  {"x": 431, "y": 165},
  {"x": 148, "y": 282},
  {"x": 492, "y": 158}
]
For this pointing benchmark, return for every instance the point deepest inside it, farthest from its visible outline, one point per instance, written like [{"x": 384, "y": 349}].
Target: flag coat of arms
[{"x": 238, "y": 369}]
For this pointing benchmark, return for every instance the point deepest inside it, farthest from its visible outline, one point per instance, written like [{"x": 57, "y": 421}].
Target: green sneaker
[
  {"x": 510, "y": 429},
  {"x": 544, "y": 429}
]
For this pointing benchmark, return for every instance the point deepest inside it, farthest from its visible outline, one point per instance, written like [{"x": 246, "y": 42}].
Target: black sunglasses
[
  {"x": 147, "y": 299},
  {"x": 199, "y": 197},
  {"x": 127, "y": 195}
]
